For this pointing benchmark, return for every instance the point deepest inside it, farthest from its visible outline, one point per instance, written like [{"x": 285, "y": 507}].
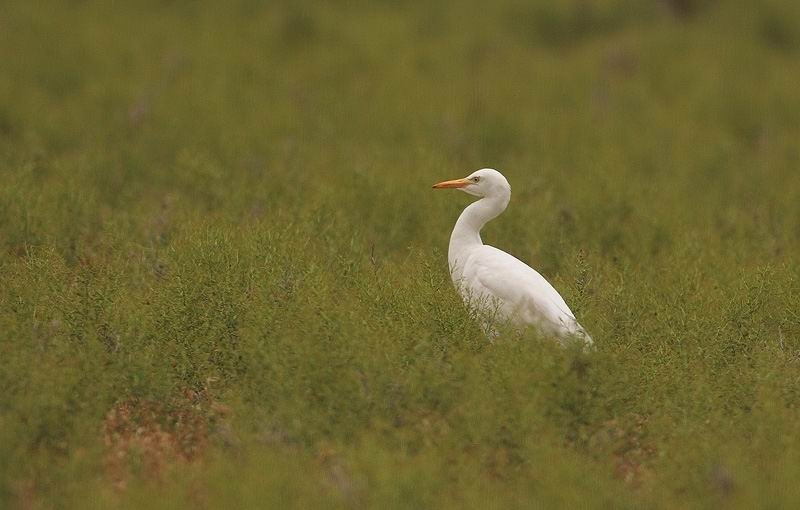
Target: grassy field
[{"x": 224, "y": 275}]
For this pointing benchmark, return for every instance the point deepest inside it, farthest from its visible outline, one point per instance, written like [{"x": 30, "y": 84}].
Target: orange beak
[{"x": 456, "y": 183}]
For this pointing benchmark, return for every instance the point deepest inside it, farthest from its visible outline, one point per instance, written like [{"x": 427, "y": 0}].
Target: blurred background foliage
[{"x": 224, "y": 274}]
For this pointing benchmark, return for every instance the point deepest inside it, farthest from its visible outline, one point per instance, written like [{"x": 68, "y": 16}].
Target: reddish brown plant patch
[
  {"x": 631, "y": 452},
  {"x": 144, "y": 437}
]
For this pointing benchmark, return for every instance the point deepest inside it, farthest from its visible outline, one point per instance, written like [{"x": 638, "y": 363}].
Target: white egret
[{"x": 493, "y": 281}]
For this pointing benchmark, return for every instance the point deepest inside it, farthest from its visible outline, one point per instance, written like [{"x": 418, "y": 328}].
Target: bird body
[{"x": 494, "y": 282}]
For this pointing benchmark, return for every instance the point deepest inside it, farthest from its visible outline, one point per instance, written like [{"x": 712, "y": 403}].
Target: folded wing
[{"x": 520, "y": 293}]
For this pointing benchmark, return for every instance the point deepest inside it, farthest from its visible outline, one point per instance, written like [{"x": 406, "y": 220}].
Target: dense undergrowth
[{"x": 224, "y": 275}]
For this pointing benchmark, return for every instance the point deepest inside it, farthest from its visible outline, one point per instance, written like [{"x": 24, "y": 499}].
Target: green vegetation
[{"x": 224, "y": 275}]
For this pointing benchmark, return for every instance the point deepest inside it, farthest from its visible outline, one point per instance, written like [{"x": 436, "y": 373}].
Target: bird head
[{"x": 480, "y": 183}]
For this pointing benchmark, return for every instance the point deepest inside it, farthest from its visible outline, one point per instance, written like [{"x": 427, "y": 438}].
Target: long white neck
[{"x": 467, "y": 232}]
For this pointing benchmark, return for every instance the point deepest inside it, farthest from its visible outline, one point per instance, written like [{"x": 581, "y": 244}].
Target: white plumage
[{"x": 494, "y": 282}]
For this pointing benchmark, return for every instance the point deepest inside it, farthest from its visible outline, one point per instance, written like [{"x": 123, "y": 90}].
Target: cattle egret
[{"x": 491, "y": 280}]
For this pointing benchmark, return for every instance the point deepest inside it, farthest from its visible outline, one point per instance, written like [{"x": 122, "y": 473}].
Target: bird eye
[{"x": 476, "y": 179}]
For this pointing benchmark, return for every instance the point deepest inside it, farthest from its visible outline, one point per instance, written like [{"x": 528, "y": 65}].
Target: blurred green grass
[{"x": 224, "y": 272}]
